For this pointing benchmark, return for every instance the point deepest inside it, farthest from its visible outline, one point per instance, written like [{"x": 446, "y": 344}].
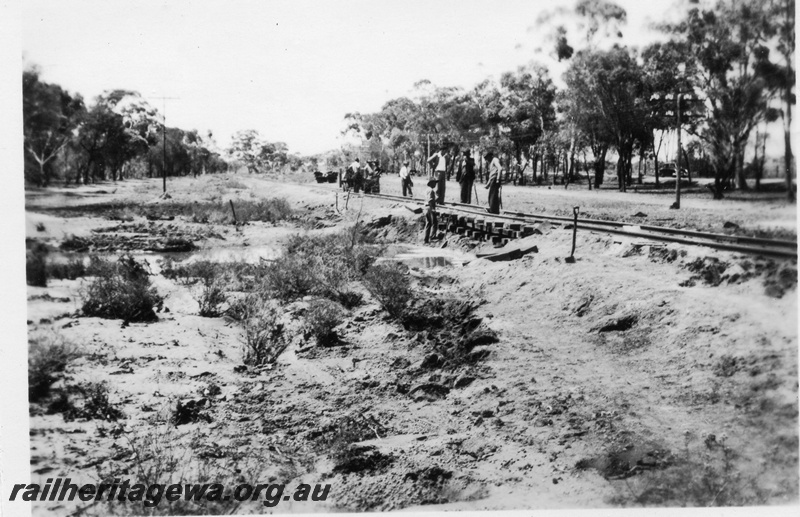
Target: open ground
[{"x": 642, "y": 374}]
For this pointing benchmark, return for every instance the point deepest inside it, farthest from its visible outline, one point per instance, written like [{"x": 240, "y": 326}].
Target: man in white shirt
[
  {"x": 405, "y": 180},
  {"x": 350, "y": 173},
  {"x": 439, "y": 163}
]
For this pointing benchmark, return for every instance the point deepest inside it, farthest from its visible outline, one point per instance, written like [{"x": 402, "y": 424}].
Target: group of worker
[
  {"x": 357, "y": 176},
  {"x": 440, "y": 164}
]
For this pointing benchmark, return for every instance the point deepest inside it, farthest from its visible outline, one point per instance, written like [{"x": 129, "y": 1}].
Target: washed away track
[{"x": 735, "y": 243}]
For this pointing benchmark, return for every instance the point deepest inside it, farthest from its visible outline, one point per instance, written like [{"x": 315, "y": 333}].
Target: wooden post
[
  {"x": 678, "y": 160},
  {"x": 235, "y": 222},
  {"x": 428, "y": 153}
]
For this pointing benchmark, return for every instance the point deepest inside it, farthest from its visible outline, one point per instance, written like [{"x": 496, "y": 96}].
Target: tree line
[
  {"x": 731, "y": 61},
  {"x": 120, "y": 135}
]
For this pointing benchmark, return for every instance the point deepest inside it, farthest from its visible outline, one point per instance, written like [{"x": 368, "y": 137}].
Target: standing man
[
  {"x": 438, "y": 163},
  {"x": 350, "y": 173},
  {"x": 431, "y": 223},
  {"x": 494, "y": 183},
  {"x": 405, "y": 180},
  {"x": 466, "y": 176},
  {"x": 451, "y": 162}
]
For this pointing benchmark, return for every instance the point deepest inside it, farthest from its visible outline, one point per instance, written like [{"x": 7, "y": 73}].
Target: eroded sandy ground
[{"x": 639, "y": 374}]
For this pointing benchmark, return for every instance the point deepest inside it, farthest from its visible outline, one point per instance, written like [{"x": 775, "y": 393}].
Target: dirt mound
[
  {"x": 449, "y": 331},
  {"x": 628, "y": 461},
  {"x": 778, "y": 277}
]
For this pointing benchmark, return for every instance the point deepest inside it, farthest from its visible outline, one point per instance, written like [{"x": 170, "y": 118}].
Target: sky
[{"x": 289, "y": 69}]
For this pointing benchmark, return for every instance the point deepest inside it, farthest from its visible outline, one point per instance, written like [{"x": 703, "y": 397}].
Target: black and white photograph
[{"x": 348, "y": 256}]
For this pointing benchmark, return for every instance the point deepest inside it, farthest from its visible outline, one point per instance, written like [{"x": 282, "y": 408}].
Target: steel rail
[
  {"x": 741, "y": 244},
  {"x": 743, "y": 239}
]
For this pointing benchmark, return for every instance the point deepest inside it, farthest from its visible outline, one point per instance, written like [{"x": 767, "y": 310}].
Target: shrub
[
  {"x": 121, "y": 290},
  {"x": 211, "y": 296},
  {"x": 75, "y": 243},
  {"x": 266, "y": 210},
  {"x": 700, "y": 476},
  {"x": 213, "y": 277},
  {"x": 48, "y": 355},
  {"x": 290, "y": 277},
  {"x": 95, "y": 403},
  {"x": 321, "y": 318},
  {"x": 36, "y": 265},
  {"x": 322, "y": 265},
  {"x": 264, "y": 334},
  {"x": 71, "y": 270},
  {"x": 87, "y": 400},
  {"x": 390, "y": 285}
]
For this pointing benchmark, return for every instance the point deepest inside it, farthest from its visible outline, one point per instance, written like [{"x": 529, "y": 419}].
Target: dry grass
[
  {"x": 265, "y": 335},
  {"x": 390, "y": 285},
  {"x": 121, "y": 290},
  {"x": 321, "y": 319},
  {"x": 49, "y": 353}
]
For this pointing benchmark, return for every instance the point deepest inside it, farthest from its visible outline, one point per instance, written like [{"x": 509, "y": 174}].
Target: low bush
[
  {"x": 290, "y": 277},
  {"x": 75, "y": 243},
  {"x": 75, "y": 268},
  {"x": 323, "y": 265},
  {"x": 48, "y": 355},
  {"x": 265, "y": 210},
  {"x": 36, "y": 264},
  {"x": 265, "y": 336},
  {"x": 390, "y": 285},
  {"x": 701, "y": 476},
  {"x": 320, "y": 320},
  {"x": 211, "y": 296},
  {"x": 87, "y": 400},
  {"x": 121, "y": 290}
]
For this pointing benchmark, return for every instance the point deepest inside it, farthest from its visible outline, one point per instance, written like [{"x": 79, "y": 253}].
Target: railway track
[{"x": 735, "y": 243}]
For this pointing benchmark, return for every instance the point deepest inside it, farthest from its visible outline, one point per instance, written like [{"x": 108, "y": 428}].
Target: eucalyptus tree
[
  {"x": 667, "y": 72},
  {"x": 726, "y": 44},
  {"x": 119, "y": 127},
  {"x": 50, "y": 115},
  {"x": 528, "y": 105},
  {"x": 609, "y": 105}
]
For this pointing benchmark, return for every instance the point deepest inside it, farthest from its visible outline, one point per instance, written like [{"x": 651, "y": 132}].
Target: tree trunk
[
  {"x": 655, "y": 159},
  {"x": 588, "y": 178},
  {"x": 787, "y": 140},
  {"x": 741, "y": 182},
  {"x": 758, "y": 164},
  {"x": 599, "y": 166},
  {"x": 688, "y": 166}
]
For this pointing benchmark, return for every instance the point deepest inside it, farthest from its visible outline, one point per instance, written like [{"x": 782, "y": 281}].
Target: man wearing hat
[
  {"x": 466, "y": 176},
  {"x": 405, "y": 180},
  {"x": 494, "y": 183},
  {"x": 431, "y": 222}
]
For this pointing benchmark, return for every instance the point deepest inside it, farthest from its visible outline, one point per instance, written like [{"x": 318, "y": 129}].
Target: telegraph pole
[
  {"x": 659, "y": 107},
  {"x": 428, "y": 155},
  {"x": 677, "y": 204},
  {"x": 164, "y": 141}
]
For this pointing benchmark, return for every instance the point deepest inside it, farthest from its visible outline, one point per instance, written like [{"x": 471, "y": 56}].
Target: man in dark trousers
[
  {"x": 493, "y": 184},
  {"x": 431, "y": 222},
  {"x": 466, "y": 176},
  {"x": 405, "y": 180},
  {"x": 438, "y": 163}
]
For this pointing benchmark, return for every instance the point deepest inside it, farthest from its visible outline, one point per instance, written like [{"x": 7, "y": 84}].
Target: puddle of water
[
  {"x": 426, "y": 258},
  {"x": 249, "y": 254}
]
